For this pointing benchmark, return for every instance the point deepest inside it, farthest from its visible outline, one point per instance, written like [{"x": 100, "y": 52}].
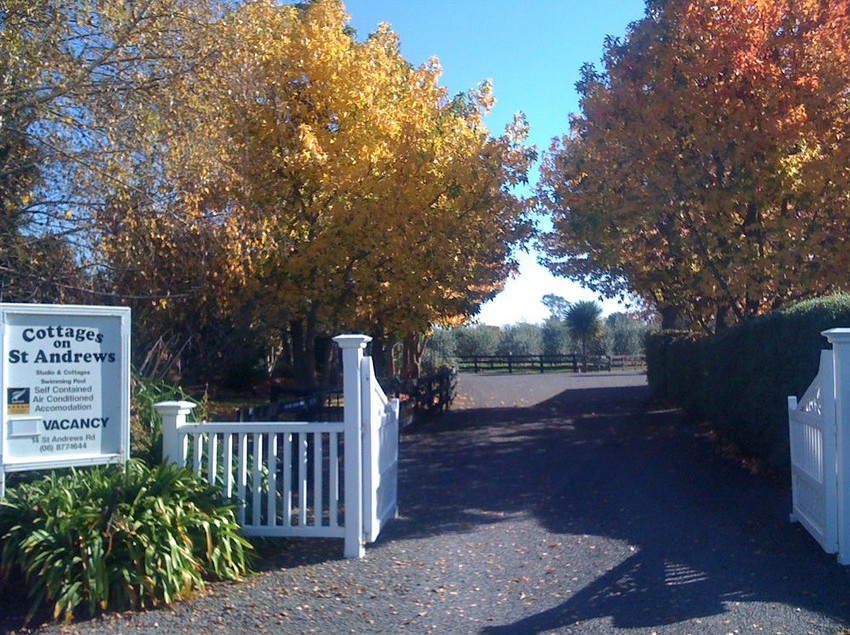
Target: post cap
[
  {"x": 174, "y": 407},
  {"x": 837, "y": 335},
  {"x": 352, "y": 341}
]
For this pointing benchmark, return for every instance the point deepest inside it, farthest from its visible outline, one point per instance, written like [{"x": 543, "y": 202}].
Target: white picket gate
[
  {"x": 299, "y": 479},
  {"x": 814, "y": 481},
  {"x": 380, "y": 454},
  {"x": 819, "y": 430}
]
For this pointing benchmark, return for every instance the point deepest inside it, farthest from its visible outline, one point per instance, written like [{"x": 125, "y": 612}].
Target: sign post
[{"x": 65, "y": 378}]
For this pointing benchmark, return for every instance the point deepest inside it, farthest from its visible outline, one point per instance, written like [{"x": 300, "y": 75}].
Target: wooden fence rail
[
  {"x": 321, "y": 406},
  {"x": 422, "y": 397},
  {"x": 541, "y": 363},
  {"x": 425, "y": 396}
]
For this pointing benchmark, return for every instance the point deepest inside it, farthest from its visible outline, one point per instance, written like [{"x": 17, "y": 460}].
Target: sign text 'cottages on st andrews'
[{"x": 66, "y": 386}]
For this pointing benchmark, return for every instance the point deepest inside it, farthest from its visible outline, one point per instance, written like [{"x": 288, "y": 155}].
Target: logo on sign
[{"x": 18, "y": 401}]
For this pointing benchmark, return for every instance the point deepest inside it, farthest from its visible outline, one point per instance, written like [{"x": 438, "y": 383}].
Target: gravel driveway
[{"x": 553, "y": 503}]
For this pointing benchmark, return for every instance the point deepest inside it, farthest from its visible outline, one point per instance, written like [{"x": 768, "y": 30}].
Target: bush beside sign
[{"x": 65, "y": 385}]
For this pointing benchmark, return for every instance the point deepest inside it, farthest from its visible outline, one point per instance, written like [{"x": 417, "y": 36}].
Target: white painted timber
[
  {"x": 814, "y": 482},
  {"x": 819, "y": 430},
  {"x": 284, "y": 477}
]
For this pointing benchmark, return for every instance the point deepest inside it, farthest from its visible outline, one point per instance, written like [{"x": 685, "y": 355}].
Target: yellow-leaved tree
[
  {"x": 374, "y": 200},
  {"x": 332, "y": 185},
  {"x": 74, "y": 75}
]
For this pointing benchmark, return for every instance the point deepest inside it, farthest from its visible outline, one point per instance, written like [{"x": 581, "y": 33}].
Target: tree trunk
[
  {"x": 381, "y": 356},
  {"x": 414, "y": 347},
  {"x": 331, "y": 366},
  {"x": 721, "y": 321},
  {"x": 392, "y": 370},
  {"x": 303, "y": 335},
  {"x": 670, "y": 318}
]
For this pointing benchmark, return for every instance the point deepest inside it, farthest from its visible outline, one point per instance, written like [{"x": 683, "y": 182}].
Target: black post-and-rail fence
[
  {"x": 573, "y": 362},
  {"x": 425, "y": 396},
  {"x": 422, "y": 397},
  {"x": 432, "y": 394},
  {"x": 326, "y": 405}
]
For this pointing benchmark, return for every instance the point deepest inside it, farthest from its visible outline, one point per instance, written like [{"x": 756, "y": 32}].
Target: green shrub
[
  {"x": 440, "y": 350},
  {"x": 521, "y": 339},
  {"x": 739, "y": 380},
  {"x": 555, "y": 337},
  {"x": 479, "y": 339},
  {"x": 145, "y": 423},
  {"x": 107, "y": 538},
  {"x": 625, "y": 334}
]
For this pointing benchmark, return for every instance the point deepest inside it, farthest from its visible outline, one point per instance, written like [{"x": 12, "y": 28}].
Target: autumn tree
[
  {"x": 133, "y": 159},
  {"x": 74, "y": 76},
  {"x": 32, "y": 267},
  {"x": 707, "y": 172},
  {"x": 251, "y": 175},
  {"x": 88, "y": 101},
  {"x": 17, "y": 176},
  {"x": 362, "y": 196}
]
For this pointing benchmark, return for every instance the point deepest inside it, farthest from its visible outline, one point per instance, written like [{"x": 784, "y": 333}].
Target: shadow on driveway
[{"x": 701, "y": 534}]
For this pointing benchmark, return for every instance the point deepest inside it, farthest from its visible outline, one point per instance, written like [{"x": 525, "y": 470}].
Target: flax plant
[{"x": 101, "y": 539}]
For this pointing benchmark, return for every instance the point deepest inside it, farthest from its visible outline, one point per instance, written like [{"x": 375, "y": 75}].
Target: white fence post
[
  {"x": 840, "y": 340},
  {"x": 352, "y": 354},
  {"x": 173, "y": 415}
]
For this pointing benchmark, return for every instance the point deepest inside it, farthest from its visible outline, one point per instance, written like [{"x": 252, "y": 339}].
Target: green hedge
[{"x": 739, "y": 380}]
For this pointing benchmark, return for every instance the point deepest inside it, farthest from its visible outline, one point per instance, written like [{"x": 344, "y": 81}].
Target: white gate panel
[
  {"x": 380, "y": 454},
  {"x": 814, "y": 480}
]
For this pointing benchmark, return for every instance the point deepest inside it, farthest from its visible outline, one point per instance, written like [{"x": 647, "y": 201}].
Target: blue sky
[{"x": 532, "y": 51}]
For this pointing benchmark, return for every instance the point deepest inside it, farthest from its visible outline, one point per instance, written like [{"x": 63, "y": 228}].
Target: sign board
[{"x": 65, "y": 378}]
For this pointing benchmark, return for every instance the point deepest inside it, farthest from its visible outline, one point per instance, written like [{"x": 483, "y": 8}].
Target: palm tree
[{"x": 583, "y": 322}]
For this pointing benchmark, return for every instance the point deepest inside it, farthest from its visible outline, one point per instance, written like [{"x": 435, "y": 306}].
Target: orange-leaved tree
[{"x": 707, "y": 172}]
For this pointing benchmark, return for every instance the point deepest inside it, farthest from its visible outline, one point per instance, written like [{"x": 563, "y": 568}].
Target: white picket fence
[
  {"x": 299, "y": 479},
  {"x": 819, "y": 430}
]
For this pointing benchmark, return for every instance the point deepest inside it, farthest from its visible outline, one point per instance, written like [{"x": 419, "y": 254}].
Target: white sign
[{"x": 65, "y": 385}]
